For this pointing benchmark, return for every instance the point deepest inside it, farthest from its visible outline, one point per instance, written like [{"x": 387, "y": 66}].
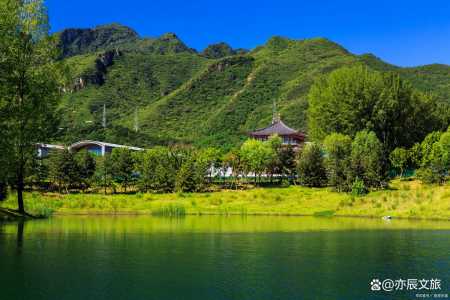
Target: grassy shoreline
[{"x": 411, "y": 200}]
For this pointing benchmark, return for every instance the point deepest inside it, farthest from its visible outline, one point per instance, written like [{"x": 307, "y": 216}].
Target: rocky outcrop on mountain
[
  {"x": 219, "y": 50},
  {"x": 81, "y": 41},
  {"x": 98, "y": 75}
]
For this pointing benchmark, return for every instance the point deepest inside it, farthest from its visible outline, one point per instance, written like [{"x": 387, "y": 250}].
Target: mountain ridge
[{"x": 213, "y": 97}]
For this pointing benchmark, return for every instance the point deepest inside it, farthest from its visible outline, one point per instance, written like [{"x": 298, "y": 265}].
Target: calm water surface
[{"x": 207, "y": 257}]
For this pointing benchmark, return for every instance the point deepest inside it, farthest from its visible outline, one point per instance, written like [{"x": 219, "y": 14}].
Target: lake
[{"x": 213, "y": 257}]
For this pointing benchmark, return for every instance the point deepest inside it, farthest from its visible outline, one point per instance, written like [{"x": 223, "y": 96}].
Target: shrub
[
  {"x": 359, "y": 188},
  {"x": 399, "y": 159},
  {"x": 429, "y": 175}
]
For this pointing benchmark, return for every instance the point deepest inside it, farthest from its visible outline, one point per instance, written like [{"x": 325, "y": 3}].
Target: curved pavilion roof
[{"x": 277, "y": 127}]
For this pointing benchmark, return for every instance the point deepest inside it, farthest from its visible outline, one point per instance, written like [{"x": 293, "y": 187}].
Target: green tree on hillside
[
  {"x": 29, "y": 84},
  {"x": 352, "y": 99}
]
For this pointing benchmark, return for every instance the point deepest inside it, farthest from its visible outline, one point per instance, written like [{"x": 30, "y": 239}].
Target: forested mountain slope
[{"x": 175, "y": 94}]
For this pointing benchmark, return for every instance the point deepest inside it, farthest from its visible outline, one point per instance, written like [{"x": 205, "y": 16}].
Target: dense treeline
[
  {"x": 340, "y": 163},
  {"x": 163, "y": 169},
  {"x": 431, "y": 158},
  {"x": 355, "y": 165},
  {"x": 352, "y": 99}
]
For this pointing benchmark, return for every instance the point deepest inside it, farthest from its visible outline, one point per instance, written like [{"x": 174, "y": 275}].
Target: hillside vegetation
[{"x": 177, "y": 95}]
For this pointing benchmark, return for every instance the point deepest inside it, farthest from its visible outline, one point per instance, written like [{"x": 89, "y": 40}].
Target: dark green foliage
[
  {"x": 86, "y": 166},
  {"x": 80, "y": 41},
  {"x": 399, "y": 159},
  {"x": 367, "y": 159},
  {"x": 359, "y": 188},
  {"x": 338, "y": 149},
  {"x": 352, "y": 99},
  {"x": 310, "y": 167},
  {"x": 157, "y": 168},
  {"x": 3, "y": 190},
  {"x": 188, "y": 179},
  {"x": 37, "y": 170},
  {"x": 122, "y": 162},
  {"x": 435, "y": 163},
  {"x": 219, "y": 50},
  {"x": 103, "y": 176},
  {"x": 426, "y": 148},
  {"x": 193, "y": 174},
  {"x": 287, "y": 164},
  {"x": 63, "y": 169}
]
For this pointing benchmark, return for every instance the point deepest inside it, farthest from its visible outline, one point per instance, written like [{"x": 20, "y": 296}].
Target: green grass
[{"x": 404, "y": 199}]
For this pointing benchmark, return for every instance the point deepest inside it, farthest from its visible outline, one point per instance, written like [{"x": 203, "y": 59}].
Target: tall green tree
[
  {"x": 256, "y": 156},
  {"x": 352, "y": 99},
  {"x": 87, "y": 166},
  {"x": 311, "y": 167},
  {"x": 338, "y": 148},
  {"x": 157, "y": 168},
  {"x": 192, "y": 175},
  {"x": 366, "y": 159},
  {"x": 29, "y": 84},
  {"x": 426, "y": 147},
  {"x": 123, "y": 166},
  {"x": 103, "y": 176},
  {"x": 287, "y": 158},
  {"x": 233, "y": 161},
  {"x": 63, "y": 169}
]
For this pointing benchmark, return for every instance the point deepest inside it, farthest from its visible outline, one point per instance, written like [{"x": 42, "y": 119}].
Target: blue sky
[{"x": 405, "y": 33}]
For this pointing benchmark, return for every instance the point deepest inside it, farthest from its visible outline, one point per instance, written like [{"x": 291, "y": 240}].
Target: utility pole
[
  {"x": 274, "y": 112},
  {"x": 136, "y": 120},
  {"x": 104, "y": 116}
]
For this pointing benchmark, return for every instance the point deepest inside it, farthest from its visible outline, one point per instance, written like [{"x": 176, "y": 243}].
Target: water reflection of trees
[{"x": 19, "y": 236}]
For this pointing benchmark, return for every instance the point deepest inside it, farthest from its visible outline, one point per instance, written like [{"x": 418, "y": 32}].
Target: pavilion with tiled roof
[{"x": 288, "y": 135}]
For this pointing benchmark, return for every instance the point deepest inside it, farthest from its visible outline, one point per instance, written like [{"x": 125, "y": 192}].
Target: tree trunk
[{"x": 20, "y": 188}]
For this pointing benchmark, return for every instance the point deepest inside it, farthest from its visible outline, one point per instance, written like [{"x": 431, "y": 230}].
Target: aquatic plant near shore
[{"x": 170, "y": 210}]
